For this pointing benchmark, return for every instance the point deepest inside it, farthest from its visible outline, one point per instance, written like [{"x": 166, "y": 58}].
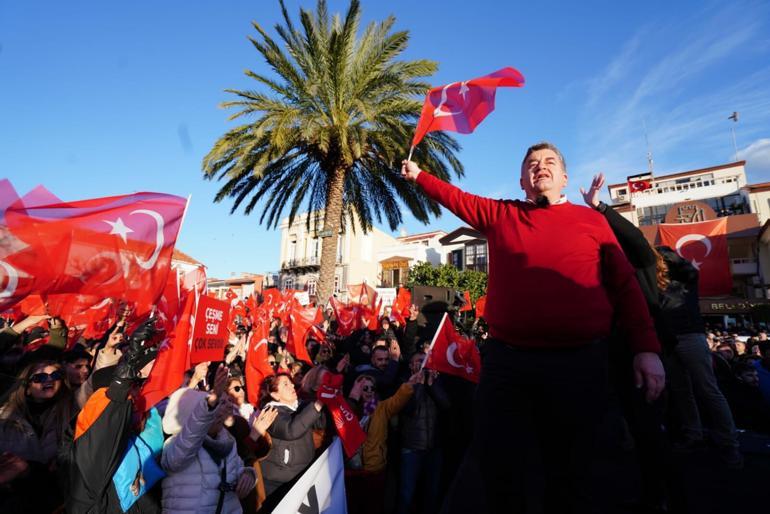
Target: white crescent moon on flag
[
  {"x": 450, "y": 355},
  {"x": 13, "y": 280},
  {"x": 119, "y": 268},
  {"x": 695, "y": 238},
  {"x": 437, "y": 112},
  {"x": 150, "y": 263}
]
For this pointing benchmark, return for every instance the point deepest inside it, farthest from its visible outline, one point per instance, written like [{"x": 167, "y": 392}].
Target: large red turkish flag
[
  {"x": 111, "y": 247},
  {"x": 703, "y": 244},
  {"x": 348, "y": 317},
  {"x": 302, "y": 322},
  {"x": 461, "y": 106},
  {"x": 174, "y": 353},
  {"x": 454, "y": 354},
  {"x": 257, "y": 367}
]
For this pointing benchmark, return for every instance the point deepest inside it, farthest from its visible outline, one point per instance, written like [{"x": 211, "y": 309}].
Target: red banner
[
  {"x": 704, "y": 245},
  {"x": 210, "y": 334}
]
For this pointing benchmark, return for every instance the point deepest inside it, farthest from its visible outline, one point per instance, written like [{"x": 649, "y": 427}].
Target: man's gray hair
[{"x": 545, "y": 145}]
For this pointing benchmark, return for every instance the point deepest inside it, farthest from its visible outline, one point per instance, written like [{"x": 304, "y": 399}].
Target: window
[
  {"x": 292, "y": 250},
  {"x": 311, "y": 287},
  {"x": 336, "y": 283},
  {"x": 622, "y": 192},
  {"x": 470, "y": 256},
  {"x": 288, "y": 283},
  {"x": 476, "y": 257},
  {"x": 456, "y": 259}
]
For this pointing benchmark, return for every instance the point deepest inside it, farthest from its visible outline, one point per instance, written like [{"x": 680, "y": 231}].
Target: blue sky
[{"x": 100, "y": 98}]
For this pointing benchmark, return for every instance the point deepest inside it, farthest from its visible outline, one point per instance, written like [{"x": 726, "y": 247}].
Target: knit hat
[{"x": 180, "y": 406}]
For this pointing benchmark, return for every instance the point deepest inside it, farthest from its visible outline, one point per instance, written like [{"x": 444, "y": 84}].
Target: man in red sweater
[{"x": 558, "y": 284}]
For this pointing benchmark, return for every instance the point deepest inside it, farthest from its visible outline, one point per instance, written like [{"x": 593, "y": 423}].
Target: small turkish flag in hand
[
  {"x": 461, "y": 106},
  {"x": 454, "y": 354}
]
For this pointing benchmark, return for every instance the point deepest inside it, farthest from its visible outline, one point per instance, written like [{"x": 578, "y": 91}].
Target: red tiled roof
[{"x": 179, "y": 255}]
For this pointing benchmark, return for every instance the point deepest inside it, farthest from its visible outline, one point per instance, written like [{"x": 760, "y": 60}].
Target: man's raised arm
[{"x": 476, "y": 211}]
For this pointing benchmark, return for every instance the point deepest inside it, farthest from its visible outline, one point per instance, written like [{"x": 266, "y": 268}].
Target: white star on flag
[{"x": 119, "y": 228}]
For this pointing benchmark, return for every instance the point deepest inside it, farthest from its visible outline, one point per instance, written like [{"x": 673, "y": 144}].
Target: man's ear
[
  {"x": 274, "y": 396},
  {"x": 521, "y": 183}
]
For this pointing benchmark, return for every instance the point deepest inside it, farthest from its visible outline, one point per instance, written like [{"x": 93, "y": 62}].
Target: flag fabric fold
[
  {"x": 453, "y": 353},
  {"x": 461, "y": 106}
]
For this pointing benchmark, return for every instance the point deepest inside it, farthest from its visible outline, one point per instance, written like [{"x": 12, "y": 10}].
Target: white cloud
[{"x": 757, "y": 157}]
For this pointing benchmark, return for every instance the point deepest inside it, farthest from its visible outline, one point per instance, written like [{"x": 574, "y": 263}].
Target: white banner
[
  {"x": 303, "y": 297},
  {"x": 321, "y": 489},
  {"x": 387, "y": 295}
]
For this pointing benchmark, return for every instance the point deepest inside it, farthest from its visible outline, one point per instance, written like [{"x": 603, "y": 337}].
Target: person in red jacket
[{"x": 558, "y": 283}]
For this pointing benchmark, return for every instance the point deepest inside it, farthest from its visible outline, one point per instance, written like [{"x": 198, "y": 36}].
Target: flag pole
[
  {"x": 435, "y": 336},
  {"x": 411, "y": 151}
]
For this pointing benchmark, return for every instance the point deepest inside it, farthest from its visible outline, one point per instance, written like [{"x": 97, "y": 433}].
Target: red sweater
[{"x": 557, "y": 276}]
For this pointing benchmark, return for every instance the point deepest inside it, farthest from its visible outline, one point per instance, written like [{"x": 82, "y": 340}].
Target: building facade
[
  {"x": 466, "y": 248},
  {"x": 703, "y": 194},
  {"x": 243, "y": 285},
  {"x": 395, "y": 260},
  {"x": 356, "y": 260}
]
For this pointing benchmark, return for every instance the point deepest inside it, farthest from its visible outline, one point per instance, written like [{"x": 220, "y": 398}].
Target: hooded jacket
[{"x": 193, "y": 482}]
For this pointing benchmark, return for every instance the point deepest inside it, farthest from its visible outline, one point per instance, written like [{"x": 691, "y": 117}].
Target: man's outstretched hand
[
  {"x": 649, "y": 373},
  {"x": 591, "y": 197},
  {"x": 409, "y": 170}
]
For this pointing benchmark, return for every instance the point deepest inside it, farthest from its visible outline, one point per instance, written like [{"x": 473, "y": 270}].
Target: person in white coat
[{"x": 205, "y": 473}]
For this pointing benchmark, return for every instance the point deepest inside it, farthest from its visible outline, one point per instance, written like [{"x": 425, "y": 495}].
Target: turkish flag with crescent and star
[
  {"x": 117, "y": 247},
  {"x": 461, "y": 106},
  {"x": 257, "y": 367},
  {"x": 704, "y": 245},
  {"x": 452, "y": 353}
]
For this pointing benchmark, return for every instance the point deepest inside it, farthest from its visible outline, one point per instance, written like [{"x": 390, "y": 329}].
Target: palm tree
[{"x": 330, "y": 129}]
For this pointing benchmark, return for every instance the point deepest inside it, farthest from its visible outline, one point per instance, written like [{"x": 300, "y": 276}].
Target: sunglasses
[
  {"x": 237, "y": 389},
  {"x": 42, "y": 378},
  {"x": 368, "y": 389},
  {"x": 272, "y": 363}
]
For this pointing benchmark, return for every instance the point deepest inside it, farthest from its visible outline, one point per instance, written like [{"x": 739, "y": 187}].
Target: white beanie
[{"x": 180, "y": 406}]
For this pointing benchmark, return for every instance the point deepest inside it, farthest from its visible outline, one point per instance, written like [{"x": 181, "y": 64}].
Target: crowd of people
[
  {"x": 74, "y": 437},
  {"x": 206, "y": 449}
]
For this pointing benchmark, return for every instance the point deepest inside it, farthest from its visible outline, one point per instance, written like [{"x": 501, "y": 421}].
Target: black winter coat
[
  {"x": 292, "y": 437},
  {"x": 419, "y": 419}
]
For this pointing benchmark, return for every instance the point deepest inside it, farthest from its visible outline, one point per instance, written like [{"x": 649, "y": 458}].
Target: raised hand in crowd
[
  {"x": 263, "y": 421},
  {"x": 591, "y": 197},
  {"x": 394, "y": 350},
  {"x": 342, "y": 365},
  {"x": 246, "y": 483},
  {"x": 416, "y": 378},
  {"x": 199, "y": 373},
  {"x": 29, "y": 322},
  {"x": 219, "y": 386},
  {"x": 115, "y": 339}
]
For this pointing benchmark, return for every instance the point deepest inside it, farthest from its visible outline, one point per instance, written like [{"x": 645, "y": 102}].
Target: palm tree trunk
[{"x": 332, "y": 223}]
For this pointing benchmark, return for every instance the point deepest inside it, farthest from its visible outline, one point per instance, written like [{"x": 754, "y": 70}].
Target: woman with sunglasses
[{"x": 33, "y": 419}]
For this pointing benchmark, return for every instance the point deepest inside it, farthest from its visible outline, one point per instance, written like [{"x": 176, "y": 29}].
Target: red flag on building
[
  {"x": 461, "y": 106},
  {"x": 481, "y": 304},
  {"x": 703, "y": 244},
  {"x": 117, "y": 247},
  {"x": 454, "y": 354},
  {"x": 257, "y": 367},
  {"x": 639, "y": 183},
  {"x": 230, "y": 295}
]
